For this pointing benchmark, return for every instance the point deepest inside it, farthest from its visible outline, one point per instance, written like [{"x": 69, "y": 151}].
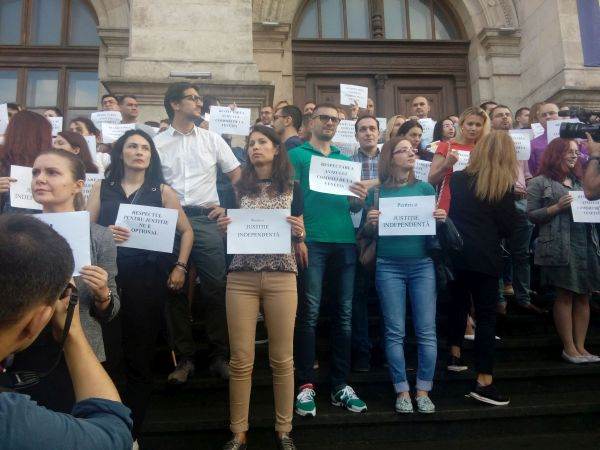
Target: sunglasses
[
  {"x": 193, "y": 98},
  {"x": 324, "y": 118}
]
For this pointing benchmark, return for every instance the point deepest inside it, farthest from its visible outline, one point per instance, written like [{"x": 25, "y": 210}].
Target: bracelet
[
  {"x": 107, "y": 299},
  {"x": 182, "y": 266}
]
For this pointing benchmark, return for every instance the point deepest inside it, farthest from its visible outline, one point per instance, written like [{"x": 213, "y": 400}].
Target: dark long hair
[
  {"x": 27, "y": 135},
  {"x": 386, "y": 166},
  {"x": 77, "y": 169},
  {"x": 438, "y": 129},
  {"x": 77, "y": 140},
  {"x": 116, "y": 170},
  {"x": 281, "y": 176},
  {"x": 553, "y": 165},
  {"x": 88, "y": 124}
]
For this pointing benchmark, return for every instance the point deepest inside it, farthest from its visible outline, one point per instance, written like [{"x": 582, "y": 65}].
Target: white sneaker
[
  {"x": 592, "y": 358},
  {"x": 574, "y": 359}
]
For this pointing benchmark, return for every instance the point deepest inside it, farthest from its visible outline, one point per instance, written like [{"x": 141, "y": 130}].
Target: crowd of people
[{"x": 490, "y": 217}]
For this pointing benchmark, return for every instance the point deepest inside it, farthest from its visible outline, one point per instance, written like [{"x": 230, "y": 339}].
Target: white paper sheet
[
  {"x": 584, "y": 210},
  {"x": 151, "y": 228},
  {"x": 463, "y": 160},
  {"x": 522, "y": 141},
  {"x": 20, "y": 191},
  {"x": 422, "y": 169},
  {"x": 57, "y": 125},
  {"x": 350, "y": 94},
  {"x": 111, "y": 132},
  {"x": 407, "y": 216},
  {"x": 224, "y": 120},
  {"x": 333, "y": 176},
  {"x": 259, "y": 231}
]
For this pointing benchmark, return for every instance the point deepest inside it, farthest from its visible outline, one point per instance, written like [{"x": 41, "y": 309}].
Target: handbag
[{"x": 367, "y": 241}]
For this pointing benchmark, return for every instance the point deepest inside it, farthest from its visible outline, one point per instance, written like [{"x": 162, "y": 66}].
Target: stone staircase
[{"x": 553, "y": 404}]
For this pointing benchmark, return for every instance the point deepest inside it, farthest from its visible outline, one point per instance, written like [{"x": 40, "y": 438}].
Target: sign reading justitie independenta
[
  {"x": 407, "y": 216},
  {"x": 258, "y": 231}
]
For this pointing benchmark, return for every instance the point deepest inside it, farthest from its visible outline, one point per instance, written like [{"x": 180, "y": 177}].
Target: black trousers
[
  {"x": 144, "y": 295},
  {"x": 483, "y": 289}
]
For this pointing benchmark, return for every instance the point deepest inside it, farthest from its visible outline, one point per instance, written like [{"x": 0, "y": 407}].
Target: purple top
[{"x": 538, "y": 145}]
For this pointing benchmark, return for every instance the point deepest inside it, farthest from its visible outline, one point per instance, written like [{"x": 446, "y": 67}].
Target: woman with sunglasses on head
[
  {"x": 58, "y": 179},
  {"x": 403, "y": 266},
  {"x": 268, "y": 280},
  {"x": 147, "y": 279}
]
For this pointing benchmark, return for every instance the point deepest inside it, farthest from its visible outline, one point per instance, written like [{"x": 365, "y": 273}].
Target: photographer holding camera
[{"x": 35, "y": 289}]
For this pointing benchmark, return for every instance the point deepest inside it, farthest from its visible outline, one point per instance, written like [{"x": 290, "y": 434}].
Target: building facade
[{"x": 456, "y": 52}]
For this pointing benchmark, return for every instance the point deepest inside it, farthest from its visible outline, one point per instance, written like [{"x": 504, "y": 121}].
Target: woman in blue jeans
[{"x": 403, "y": 263}]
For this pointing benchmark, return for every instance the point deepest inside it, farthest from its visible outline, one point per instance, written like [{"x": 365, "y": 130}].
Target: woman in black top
[
  {"x": 146, "y": 278},
  {"x": 482, "y": 208}
]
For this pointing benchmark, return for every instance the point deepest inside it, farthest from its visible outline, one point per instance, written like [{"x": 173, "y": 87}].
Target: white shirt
[{"x": 189, "y": 163}]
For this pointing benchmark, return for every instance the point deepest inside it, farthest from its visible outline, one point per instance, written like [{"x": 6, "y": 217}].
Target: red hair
[
  {"x": 553, "y": 164},
  {"x": 27, "y": 135}
]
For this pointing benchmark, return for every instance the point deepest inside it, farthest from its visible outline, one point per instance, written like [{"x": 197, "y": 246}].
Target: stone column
[{"x": 209, "y": 36}]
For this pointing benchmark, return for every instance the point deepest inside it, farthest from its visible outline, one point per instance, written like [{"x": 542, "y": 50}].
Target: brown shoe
[
  {"x": 182, "y": 372},
  {"x": 508, "y": 290}
]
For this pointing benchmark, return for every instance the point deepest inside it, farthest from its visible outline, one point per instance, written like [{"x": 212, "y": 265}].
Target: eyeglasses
[
  {"x": 193, "y": 98},
  {"x": 324, "y": 118}
]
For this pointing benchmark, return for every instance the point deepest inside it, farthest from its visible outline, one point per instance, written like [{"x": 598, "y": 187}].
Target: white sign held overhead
[
  {"x": 463, "y": 160},
  {"x": 90, "y": 179},
  {"x": 382, "y": 124},
  {"x": 111, "y": 132},
  {"x": 428, "y": 125},
  {"x": 57, "y": 125},
  {"x": 584, "y": 210},
  {"x": 100, "y": 117},
  {"x": 259, "y": 231},
  {"x": 333, "y": 176},
  {"x": 3, "y": 117},
  {"x": 345, "y": 133},
  {"x": 422, "y": 169},
  {"x": 151, "y": 228},
  {"x": 75, "y": 228},
  {"x": 20, "y": 191},
  {"x": 351, "y": 94},
  {"x": 522, "y": 141},
  {"x": 553, "y": 127},
  {"x": 224, "y": 120},
  {"x": 407, "y": 216}
]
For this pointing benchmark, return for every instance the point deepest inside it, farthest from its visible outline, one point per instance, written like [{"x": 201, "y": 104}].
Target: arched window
[
  {"x": 352, "y": 19},
  {"x": 49, "y": 54}
]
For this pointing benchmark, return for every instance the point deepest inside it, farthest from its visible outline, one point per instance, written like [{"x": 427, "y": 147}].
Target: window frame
[
  {"x": 442, "y": 6},
  {"x": 64, "y": 58}
]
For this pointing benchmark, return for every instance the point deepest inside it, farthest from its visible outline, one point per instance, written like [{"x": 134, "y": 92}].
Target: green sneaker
[
  {"x": 347, "y": 398},
  {"x": 305, "y": 401}
]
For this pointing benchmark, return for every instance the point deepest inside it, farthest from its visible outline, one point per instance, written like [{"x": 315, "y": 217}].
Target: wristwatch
[{"x": 108, "y": 298}]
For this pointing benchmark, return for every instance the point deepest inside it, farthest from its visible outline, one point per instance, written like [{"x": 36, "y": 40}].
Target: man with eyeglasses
[
  {"x": 266, "y": 116},
  {"x": 331, "y": 245},
  {"x": 286, "y": 123},
  {"x": 518, "y": 243},
  {"x": 546, "y": 112},
  {"x": 190, "y": 157}
]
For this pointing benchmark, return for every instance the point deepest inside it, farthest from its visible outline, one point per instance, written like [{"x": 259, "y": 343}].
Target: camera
[{"x": 579, "y": 130}]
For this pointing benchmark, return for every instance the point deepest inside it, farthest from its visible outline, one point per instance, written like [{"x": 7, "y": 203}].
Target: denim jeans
[
  {"x": 361, "y": 343},
  {"x": 341, "y": 258},
  {"x": 393, "y": 278}
]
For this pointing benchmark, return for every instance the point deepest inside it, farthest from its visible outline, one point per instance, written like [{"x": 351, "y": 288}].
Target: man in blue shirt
[{"x": 36, "y": 264}]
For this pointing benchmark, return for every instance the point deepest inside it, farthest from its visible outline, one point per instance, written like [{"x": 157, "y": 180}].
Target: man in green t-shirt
[{"x": 331, "y": 244}]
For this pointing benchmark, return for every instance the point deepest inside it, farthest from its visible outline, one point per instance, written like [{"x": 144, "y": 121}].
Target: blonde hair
[
  {"x": 472, "y": 111},
  {"x": 390, "y": 126},
  {"x": 494, "y": 162}
]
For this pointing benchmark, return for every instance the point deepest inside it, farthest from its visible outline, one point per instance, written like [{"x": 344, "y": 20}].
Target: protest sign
[
  {"x": 351, "y": 94},
  {"x": 463, "y": 160},
  {"x": 537, "y": 129},
  {"x": 522, "y": 141},
  {"x": 422, "y": 169},
  {"x": 584, "y": 210},
  {"x": 100, "y": 117},
  {"x": 151, "y": 228},
  {"x": 259, "y": 231},
  {"x": 91, "y": 143},
  {"x": 224, "y": 120},
  {"x": 407, "y": 216},
  {"x": 111, "y": 132},
  {"x": 90, "y": 179},
  {"x": 57, "y": 125},
  {"x": 75, "y": 228},
  {"x": 3, "y": 117},
  {"x": 428, "y": 126},
  {"x": 20, "y": 191},
  {"x": 382, "y": 124},
  {"x": 345, "y": 133},
  {"x": 333, "y": 176},
  {"x": 553, "y": 127}
]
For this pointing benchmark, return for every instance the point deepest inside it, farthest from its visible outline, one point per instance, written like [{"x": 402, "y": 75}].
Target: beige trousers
[{"x": 277, "y": 292}]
